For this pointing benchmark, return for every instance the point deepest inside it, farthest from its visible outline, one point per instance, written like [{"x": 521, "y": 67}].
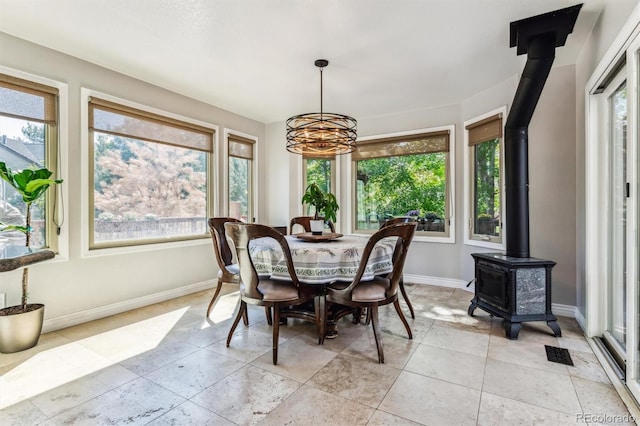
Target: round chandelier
[{"x": 321, "y": 134}]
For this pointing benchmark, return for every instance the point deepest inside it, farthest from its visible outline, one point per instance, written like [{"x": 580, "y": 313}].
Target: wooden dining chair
[
  {"x": 228, "y": 271},
  {"x": 254, "y": 290},
  {"x": 382, "y": 290},
  {"x": 305, "y": 222},
  {"x": 394, "y": 221}
]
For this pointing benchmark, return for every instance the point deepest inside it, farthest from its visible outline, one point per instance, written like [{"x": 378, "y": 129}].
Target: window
[
  {"x": 322, "y": 172},
  {"x": 29, "y": 139},
  {"x": 149, "y": 176},
  {"x": 406, "y": 175},
  {"x": 240, "y": 177},
  {"x": 484, "y": 178}
]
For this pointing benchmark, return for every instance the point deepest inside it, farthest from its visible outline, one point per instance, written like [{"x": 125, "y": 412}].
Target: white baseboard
[
  {"x": 561, "y": 310},
  {"x": 557, "y": 308},
  {"x": 581, "y": 321},
  {"x": 442, "y": 282},
  {"x": 76, "y": 318}
]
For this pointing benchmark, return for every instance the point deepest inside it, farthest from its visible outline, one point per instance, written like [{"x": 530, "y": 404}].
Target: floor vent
[{"x": 559, "y": 355}]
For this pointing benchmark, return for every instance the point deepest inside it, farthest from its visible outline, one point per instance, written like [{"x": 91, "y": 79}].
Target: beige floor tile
[
  {"x": 195, "y": 372},
  {"x": 534, "y": 331},
  {"x": 297, "y": 359},
  {"x": 500, "y": 411},
  {"x": 247, "y": 344},
  {"x": 457, "y": 340},
  {"x": 532, "y": 386},
  {"x": 431, "y": 291},
  {"x": 47, "y": 341},
  {"x": 79, "y": 375},
  {"x": 600, "y": 403},
  {"x": 134, "y": 318},
  {"x": 391, "y": 324},
  {"x": 355, "y": 379},
  {"x": 165, "y": 352},
  {"x": 347, "y": 334},
  {"x": 246, "y": 396},
  {"x": 48, "y": 370},
  {"x": 397, "y": 350},
  {"x": 431, "y": 401},
  {"x": 21, "y": 414},
  {"x": 310, "y": 406},
  {"x": 530, "y": 353},
  {"x": 587, "y": 366},
  {"x": 574, "y": 343},
  {"x": 82, "y": 389},
  {"x": 135, "y": 403},
  {"x": 450, "y": 366},
  {"x": 202, "y": 333},
  {"x": 380, "y": 418},
  {"x": 190, "y": 414},
  {"x": 478, "y": 323}
]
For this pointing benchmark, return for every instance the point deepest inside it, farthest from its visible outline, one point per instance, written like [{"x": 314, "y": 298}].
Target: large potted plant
[
  {"x": 21, "y": 325},
  {"x": 324, "y": 203}
]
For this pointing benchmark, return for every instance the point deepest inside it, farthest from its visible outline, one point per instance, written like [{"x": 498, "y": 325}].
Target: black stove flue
[{"x": 515, "y": 286}]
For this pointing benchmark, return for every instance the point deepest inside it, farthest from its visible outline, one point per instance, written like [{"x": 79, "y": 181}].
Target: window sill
[{"x": 114, "y": 251}]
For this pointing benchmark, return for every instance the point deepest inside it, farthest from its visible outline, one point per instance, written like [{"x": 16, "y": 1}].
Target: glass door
[
  {"x": 612, "y": 181},
  {"x": 616, "y": 323}
]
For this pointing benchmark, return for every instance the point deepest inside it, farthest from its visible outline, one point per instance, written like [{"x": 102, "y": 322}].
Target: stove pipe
[{"x": 537, "y": 36}]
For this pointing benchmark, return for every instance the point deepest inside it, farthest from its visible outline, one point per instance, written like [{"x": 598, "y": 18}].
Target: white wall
[
  {"x": 551, "y": 170},
  {"x": 75, "y": 284}
]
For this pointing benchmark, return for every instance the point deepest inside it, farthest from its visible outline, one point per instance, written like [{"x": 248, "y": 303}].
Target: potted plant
[
  {"x": 324, "y": 203},
  {"x": 20, "y": 325}
]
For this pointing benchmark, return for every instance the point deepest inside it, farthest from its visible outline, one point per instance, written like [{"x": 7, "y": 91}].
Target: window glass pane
[
  {"x": 239, "y": 188},
  {"x": 408, "y": 185},
  {"x": 318, "y": 170},
  {"x": 145, "y": 190},
  {"x": 486, "y": 188},
  {"x": 22, "y": 146}
]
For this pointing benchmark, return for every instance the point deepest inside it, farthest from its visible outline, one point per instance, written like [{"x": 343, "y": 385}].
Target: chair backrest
[
  {"x": 395, "y": 220},
  {"x": 220, "y": 244},
  {"x": 305, "y": 222},
  {"x": 405, "y": 233},
  {"x": 241, "y": 234}
]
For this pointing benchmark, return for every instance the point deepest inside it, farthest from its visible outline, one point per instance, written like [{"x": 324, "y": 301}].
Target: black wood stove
[{"x": 516, "y": 286}]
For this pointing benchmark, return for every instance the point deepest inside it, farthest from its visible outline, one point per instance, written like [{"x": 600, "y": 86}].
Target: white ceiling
[{"x": 256, "y": 57}]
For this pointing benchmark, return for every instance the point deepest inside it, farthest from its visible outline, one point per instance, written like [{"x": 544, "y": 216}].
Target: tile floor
[{"x": 166, "y": 365}]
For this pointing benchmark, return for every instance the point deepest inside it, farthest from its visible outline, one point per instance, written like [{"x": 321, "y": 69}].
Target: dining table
[{"x": 321, "y": 260}]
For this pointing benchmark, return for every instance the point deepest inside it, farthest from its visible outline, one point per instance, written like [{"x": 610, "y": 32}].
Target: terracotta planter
[{"x": 21, "y": 331}]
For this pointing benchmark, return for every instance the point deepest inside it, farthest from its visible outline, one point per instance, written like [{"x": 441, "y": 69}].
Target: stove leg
[
  {"x": 472, "y": 307},
  {"x": 553, "y": 325},
  {"x": 511, "y": 329}
]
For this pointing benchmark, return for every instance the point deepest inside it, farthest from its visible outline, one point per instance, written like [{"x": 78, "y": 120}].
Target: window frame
[
  {"x": 470, "y": 238},
  {"x": 333, "y": 162},
  {"x": 56, "y": 206},
  {"x": 230, "y": 134},
  {"x": 89, "y": 248},
  {"x": 423, "y": 236}
]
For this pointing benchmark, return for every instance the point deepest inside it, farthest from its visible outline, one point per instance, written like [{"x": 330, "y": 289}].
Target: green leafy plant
[
  {"x": 324, "y": 203},
  {"x": 31, "y": 184}
]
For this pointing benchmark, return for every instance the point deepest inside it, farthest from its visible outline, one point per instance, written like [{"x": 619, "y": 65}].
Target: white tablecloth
[{"x": 321, "y": 262}]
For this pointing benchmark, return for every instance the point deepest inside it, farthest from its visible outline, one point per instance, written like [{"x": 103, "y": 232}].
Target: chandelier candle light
[{"x": 321, "y": 134}]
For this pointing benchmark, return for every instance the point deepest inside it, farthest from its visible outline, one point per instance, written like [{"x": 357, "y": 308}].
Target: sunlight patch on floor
[
  {"x": 224, "y": 308},
  {"x": 63, "y": 364}
]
